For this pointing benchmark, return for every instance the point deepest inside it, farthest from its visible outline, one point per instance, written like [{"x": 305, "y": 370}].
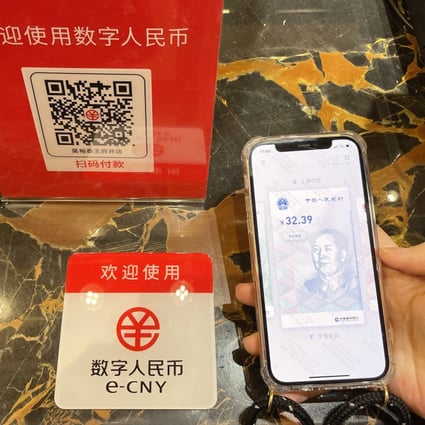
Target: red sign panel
[
  {"x": 139, "y": 272},
  {"x": 107, "y": 99}
]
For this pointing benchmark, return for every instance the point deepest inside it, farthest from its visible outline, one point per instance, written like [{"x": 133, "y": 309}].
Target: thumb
[{"x": 407, "y": 260}]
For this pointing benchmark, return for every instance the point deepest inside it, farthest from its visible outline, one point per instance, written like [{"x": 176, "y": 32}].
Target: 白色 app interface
[{"x": 318, "y": 279}]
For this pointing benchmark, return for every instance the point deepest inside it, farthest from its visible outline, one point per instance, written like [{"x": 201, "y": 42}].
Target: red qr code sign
[{"x": 138, "y": 329}]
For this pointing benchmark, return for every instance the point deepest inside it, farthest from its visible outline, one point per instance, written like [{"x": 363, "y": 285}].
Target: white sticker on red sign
[
  {"x": 92, "y": 119},
  {"x": 137, "y": 332}
]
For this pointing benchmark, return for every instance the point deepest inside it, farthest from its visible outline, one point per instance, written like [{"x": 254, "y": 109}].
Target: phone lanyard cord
[
  {"x": 381, "y": 400},
  {"x": 273, "y": 406}
]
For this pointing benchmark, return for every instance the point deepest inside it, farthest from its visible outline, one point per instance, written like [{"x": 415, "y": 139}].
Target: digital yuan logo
[{"x": 282, "y": 204}]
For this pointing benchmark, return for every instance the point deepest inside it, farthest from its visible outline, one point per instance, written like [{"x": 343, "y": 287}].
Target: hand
[{"x": 403, "y": 271}]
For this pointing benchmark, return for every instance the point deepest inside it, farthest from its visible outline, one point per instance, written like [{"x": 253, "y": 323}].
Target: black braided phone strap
[
  {"x": 381, "y": 399},
  {"x": 273, "y": 405}
]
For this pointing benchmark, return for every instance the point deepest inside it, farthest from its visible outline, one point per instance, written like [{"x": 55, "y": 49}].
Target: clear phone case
[{"x": 277, "y": 387}]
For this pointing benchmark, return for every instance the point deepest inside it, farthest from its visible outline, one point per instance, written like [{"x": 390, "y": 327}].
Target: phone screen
[{"x": 320, "y": 291}]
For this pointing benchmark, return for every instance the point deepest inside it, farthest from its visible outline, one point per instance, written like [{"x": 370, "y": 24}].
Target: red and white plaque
[{"x": 137, "y": 332}]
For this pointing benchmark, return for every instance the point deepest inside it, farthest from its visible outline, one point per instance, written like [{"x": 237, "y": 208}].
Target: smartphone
[{"x": 313, "y": 252}]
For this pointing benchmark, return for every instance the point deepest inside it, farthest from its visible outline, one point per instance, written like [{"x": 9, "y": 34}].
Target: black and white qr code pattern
[{"x": 91, "y": 113}]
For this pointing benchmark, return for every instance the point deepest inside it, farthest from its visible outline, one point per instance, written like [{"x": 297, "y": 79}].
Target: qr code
[
  {"x": 91, "y": 113},
  {"x": 92, "y": 118}
]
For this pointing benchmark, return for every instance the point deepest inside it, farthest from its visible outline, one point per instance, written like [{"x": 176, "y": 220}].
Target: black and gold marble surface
[{"x": 285, "y": 67}]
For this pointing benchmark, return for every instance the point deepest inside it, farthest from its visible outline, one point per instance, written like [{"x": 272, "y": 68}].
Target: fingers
[
  {"x": 385, "y": 240},
  {"x": 407, "y": 260},
  {"x": 251, "y": 344},
  {"x": 245, "y": 293}
]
